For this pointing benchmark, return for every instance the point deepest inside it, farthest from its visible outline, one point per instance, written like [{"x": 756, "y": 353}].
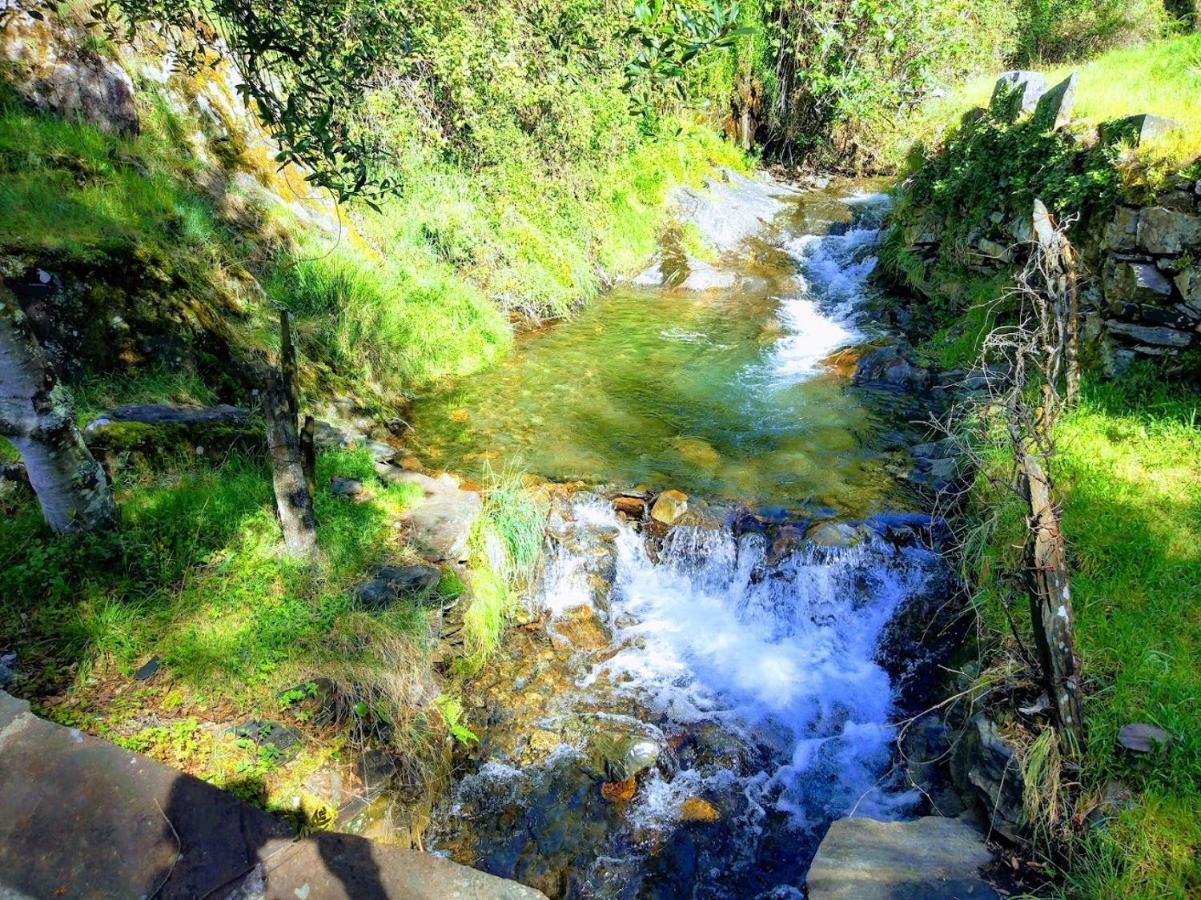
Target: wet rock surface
[{"x": 932, "y": 858}]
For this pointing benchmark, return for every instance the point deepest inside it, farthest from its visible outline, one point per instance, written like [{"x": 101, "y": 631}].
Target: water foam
[
  {"x": 821, "y": 317},
  {"x": 781, "y": 656}
]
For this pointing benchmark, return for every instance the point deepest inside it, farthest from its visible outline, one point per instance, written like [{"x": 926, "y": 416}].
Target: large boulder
[
  {"x": 1137, "y": 129},
  {"x": 1017, "y": 92},
  {"x": 1054, "y": 108},
  {"x": 50, "y": 67},
  {"x": 932, "y": 858}
]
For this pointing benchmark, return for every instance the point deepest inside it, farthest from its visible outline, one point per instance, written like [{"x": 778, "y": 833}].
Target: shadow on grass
[{"x": 193, "y": 575}]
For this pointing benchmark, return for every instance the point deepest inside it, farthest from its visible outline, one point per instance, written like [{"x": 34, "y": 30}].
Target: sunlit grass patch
[
  {"x": 1128, "y": 475},
  {"x": 1162, "y": 78},
  {"x": 506, "y": 548}
]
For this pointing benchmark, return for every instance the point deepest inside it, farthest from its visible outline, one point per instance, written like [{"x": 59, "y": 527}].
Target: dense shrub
[
  {"x": 1052, "y": 31},
  {"x": 849, "y": 65}
]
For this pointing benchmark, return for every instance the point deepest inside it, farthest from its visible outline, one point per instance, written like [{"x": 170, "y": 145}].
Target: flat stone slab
[
  {"x": 440, "y": 523},
  {"x": 931, "y": 858},
  {"x": 84, "y": 818}
]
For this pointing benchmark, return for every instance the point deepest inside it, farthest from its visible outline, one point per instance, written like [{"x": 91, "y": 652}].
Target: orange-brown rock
[
  {"x": 634, "y": 507},
  {"x": 694, "y": 809},
  {"x": 619, "y": 791}
]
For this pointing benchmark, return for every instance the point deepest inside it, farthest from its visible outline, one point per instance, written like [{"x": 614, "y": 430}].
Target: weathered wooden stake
[
  {"x": 308, "y": 453},
  {"x": 38, "y": 418},
  {"x": 291, "y": 479},
  {"x": 1051, "y": 603}
]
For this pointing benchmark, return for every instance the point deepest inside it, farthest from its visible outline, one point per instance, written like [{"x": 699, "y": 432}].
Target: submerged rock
[
  {"x": 834, "y": 534},
  {"x": 620, "y": 755},
  {"x": 696, "y": 809},
  {"x": 932, "y": 858},
  {"x": 890, "y": 367},
  {"x": 670, "y": 507}
]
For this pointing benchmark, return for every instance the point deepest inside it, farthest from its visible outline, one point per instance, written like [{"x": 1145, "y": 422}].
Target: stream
[{"x": 688, "y": 708}]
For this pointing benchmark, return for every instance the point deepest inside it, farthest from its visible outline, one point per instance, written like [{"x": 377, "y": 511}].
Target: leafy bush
[
  {"x": 1051, "y": 31},
  {"x": 852, "y": 64}
]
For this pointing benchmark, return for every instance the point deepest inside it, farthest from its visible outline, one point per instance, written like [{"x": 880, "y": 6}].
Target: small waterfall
[
  {"x": 822, "y": 315},
  {"x": 752, "y": 675},
  {"x": 779, "y": 654}
]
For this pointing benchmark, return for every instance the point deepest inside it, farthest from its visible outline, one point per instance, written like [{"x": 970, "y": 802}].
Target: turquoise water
[{"x": 738, "y": 393}]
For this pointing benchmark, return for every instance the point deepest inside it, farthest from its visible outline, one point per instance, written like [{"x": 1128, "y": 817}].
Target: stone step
[
  {"x": 85, "y": 818},
  {"x": 931, "y": 858}
]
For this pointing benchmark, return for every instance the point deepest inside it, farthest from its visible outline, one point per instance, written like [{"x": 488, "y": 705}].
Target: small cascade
[
  {"x": 750, "y": 685},
  {"x": 700, "y": 702}
]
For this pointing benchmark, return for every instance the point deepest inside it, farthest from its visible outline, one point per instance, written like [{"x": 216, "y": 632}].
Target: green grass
[
  {"x": 505, "y": 547},
  {"x": 1163, "y": 78},
  {"x": 194, "y": 575},
  {"x": 1128, "y": 475}
]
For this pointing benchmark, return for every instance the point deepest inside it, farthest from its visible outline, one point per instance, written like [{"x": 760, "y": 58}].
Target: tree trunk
[
  {"x": 1051, "y": 603},
  {"x": 293, "y": 501},
  {"x": 38, "y": 418}
]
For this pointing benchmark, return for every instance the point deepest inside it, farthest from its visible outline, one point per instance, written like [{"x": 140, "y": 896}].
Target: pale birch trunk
[{"x": 38, "y": 418}]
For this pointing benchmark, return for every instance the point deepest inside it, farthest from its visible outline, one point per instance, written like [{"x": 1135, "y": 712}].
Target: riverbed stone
[
  {"x": 1168, "y": 232},
  {"x": 834, "y": 534},
  {"x": 932, "y": 858},
  {"x": 670, "y": 506},
  {"x": 618, "y": 754},
  {"x": 890, "y": 367},
  {"x": 704, "y": 277}
]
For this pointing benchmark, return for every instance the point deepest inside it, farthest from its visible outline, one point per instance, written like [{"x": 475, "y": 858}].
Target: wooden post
[
  {"x": 291, "y": 478},
  {"x": 308, "y": 453},
  {"x": 38, "y": 417},
  {"x": 1051, "y": 603}
]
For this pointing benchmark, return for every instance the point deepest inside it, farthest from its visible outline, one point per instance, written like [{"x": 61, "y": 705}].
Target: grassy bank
[
  {"x": 1162, "y": 77},
  {"x": 1127, "y": 472},
  {"x": 194, "y": 580}
]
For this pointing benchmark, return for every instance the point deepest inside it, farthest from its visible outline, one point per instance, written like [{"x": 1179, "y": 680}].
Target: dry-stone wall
[{"x": 1143, "y": 265}]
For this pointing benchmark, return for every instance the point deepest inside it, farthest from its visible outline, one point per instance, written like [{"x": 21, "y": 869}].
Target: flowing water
[
  {"x": 733, "y": 393},
  {"x": 700, "y": 701}
]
